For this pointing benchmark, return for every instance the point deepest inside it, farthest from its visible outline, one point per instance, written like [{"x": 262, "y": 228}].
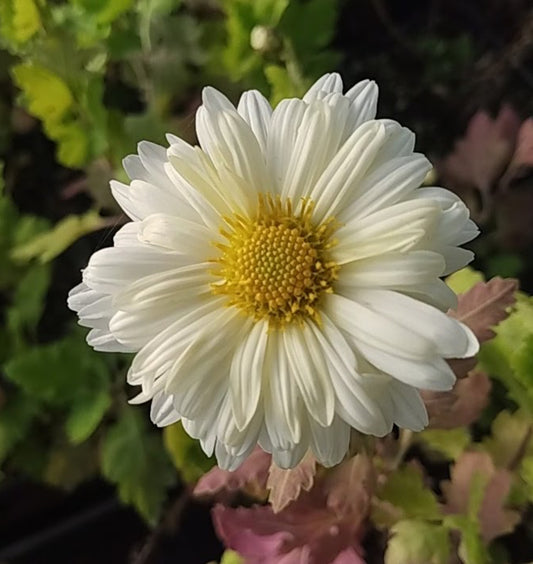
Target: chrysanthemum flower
[{"x": 280, "y": 283}]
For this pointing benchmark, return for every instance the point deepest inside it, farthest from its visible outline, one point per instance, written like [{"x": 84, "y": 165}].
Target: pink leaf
[
  {"x": 522, "y": 160},
  {"x": 250, "y": 476},
  {"x": 485, "y": 305},
  {"x": 462, "y": 405},
  {"x": 350, "y": 486},
  {"x": 285, "y": 485},
  {"x": 494, "y": 519},
  {"x": 306, "y": 531}
]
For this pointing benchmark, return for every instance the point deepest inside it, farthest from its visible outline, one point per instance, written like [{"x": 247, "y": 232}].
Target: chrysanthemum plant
[{"x": 281, "y": 286}]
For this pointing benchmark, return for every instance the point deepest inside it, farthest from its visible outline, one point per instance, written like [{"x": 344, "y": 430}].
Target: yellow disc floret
[{"x": 276, "y": 263}]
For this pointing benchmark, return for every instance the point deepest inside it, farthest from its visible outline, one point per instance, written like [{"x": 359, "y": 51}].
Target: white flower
[{"x": 280, "y": 284}]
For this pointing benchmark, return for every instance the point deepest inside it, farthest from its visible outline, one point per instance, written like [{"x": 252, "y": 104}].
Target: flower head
[{"x": 280, "y": 283}]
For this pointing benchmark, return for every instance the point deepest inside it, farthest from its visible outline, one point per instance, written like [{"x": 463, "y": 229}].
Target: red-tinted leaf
[
  {"x": 485, "y": 305},
  {"x": 479, "y": 159},
  {"x": 306, "y": 531},
  {"x": 494, "y": 519},
  {"x": 522, "y": 161},
  {"x": 462, "y": 405},
  {"x": 350, "y": 486},
  {"x": 285, "y": 485},
  {"x": 250, "y": 476}
]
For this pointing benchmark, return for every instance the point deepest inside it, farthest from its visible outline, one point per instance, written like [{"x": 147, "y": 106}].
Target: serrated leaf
[
  {"x": 135, "y": 460},
  {"x": 485, "y": 305},
  {"x": 47, "y": 95},
  {"x": 405, "y": 490},
  {"x": 450, "y": 443},
  {"x": 479, "y": 491},
  {"x": 417, "y": 542},
  {"x": 46, "y": 246},
  {"x": 285, "y": 485},
  {"x": 186, "y": 453}
]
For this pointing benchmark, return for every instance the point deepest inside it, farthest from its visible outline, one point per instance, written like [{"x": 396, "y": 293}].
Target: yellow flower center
[{"x": 276, "y": 264}]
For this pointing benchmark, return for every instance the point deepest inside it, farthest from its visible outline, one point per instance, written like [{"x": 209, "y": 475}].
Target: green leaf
[
  {"x": 417, "y": 542},
  {"x": 46, "y": 246},
  {"x": 405, "y": 490},
  {"x": 59, "y": 373},
  {"x": 15, "y": 420},
  {"x": 86, "y": 413},
  {"x": 47, "y": 95},
  {"x": 28, "y": 300},
  {"x": 450, "y": 442},
  {"x": 471, "y": 547},
  {"x": 135, "y": 460},
  {"x": 186, "y": 453}
]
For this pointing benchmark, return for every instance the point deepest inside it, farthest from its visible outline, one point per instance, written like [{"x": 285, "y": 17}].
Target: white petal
[
  {"x": 452, "y": 339},
  {"x": 111, "y": 269},
  {"x": 282, "y": 403},
  {"x": 256, "y": 112},
  {"x": 409, "y": 409},
  {"x": 354, "y": 404},
  {"x": 246, "y": 374},
  {"x": 391, "y": 269},
  {"x": 378, "y": 329},
  {"x": 386, "y": 185},
  {"x": 364, "y": 102},
  {"x": 284, "y": 126},
  {"x": 313, "y": 383},
  {"x": 102, "y": 340},
  {"x": 338, "y": 181},
  {"x": 330, "y": 444},
  {"x": 162, "y": 412},
  {"x": 396, "y": 228},
  {"x": 330, "y": 82},
  {"x": 176, "y": 234}
]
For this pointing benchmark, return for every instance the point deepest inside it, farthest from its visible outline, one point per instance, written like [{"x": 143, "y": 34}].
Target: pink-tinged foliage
[
  {"x": 250, "y": 476},
  {"x": 482, "y": 155},
  {"x": 321, "y": 526},
  {"x": 494, "y": 519},
  {"x": 285, "y": 485},
  {"x": 485, "y": 305},
  {"x": 462, "y": 405},
  {"x": 522, "y": 161}
]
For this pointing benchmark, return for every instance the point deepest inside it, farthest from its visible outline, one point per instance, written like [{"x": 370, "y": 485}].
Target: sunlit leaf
[{"x": 418, "y": 542}]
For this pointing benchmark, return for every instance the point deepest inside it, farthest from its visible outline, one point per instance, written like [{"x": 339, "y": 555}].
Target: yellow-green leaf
[
  {"x": 449, "y": 442},
  {"x": 464, "y": 279},
  {"x": 418, "y": 542},
  {"x": 186, "y": 453},
  {"x": 26, "y": 20},
  {"x": 47, "y": 95},
  {"x": 50, "y": 244}
]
